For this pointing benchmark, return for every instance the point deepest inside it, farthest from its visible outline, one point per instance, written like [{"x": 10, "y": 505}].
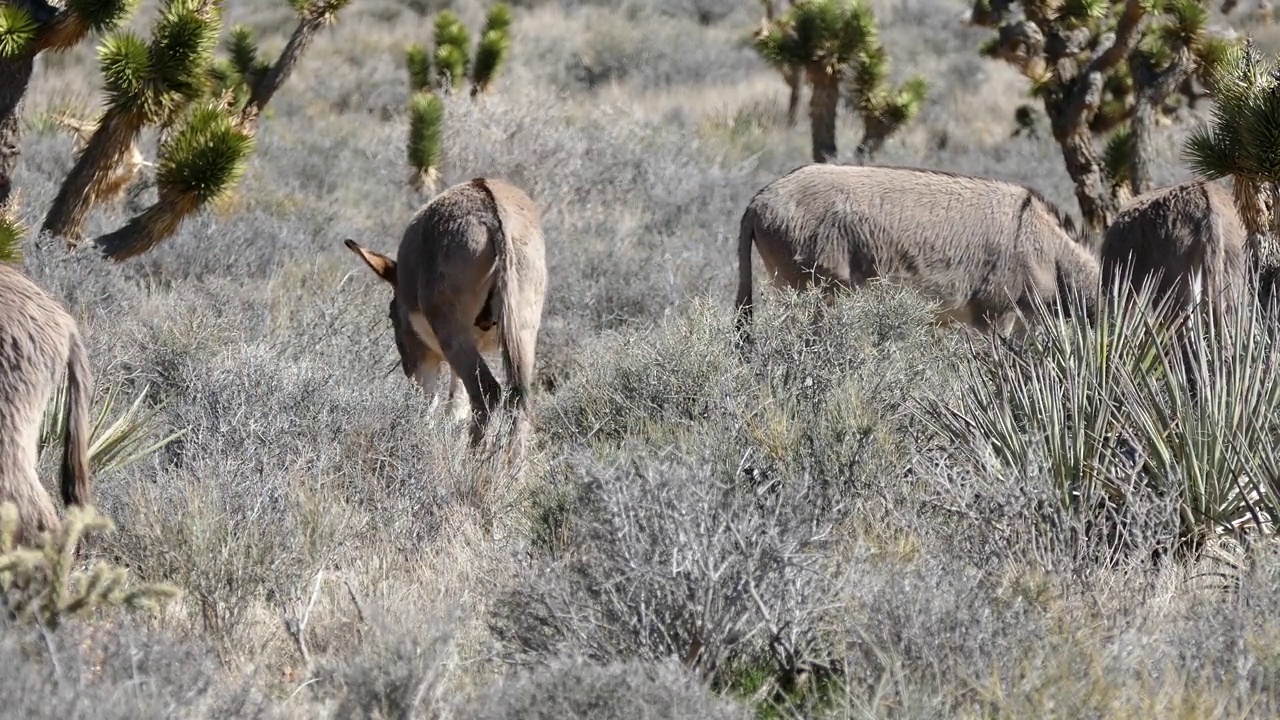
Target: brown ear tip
[{"x": 351, "y": 244}]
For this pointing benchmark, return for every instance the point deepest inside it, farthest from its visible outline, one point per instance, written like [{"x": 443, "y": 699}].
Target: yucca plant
[
  {"x": 12, "y": 231},
  {"x": 1093, "y": 63},
  {"x": 114, "y": 446},
  {"x": 453, "y": 53},
  {"x": 41, "y": 584},
  {"x": 827, "y": 38},
  {"x": 27, "y": 29},
  {"x": 426, "y": 140},
  {"x": 1157, "y": 402},
  {"x": 145, "y": 82}
]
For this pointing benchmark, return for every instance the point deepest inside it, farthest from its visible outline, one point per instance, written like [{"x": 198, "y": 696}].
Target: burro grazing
[
  {"x": 983, "y": 248},
  {"x": 1185, "y": 240},
  {"x": 38, "y": 340},
  {"x": 470, "y": 276}
]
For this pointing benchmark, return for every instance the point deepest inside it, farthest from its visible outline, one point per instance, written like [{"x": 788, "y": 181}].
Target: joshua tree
[
  {"x": 1242, "y": 142},
  {"x": 27, "y": 28},
  {"x": 11, "y": 232},
  {"x": 833, "y": 40},
  {"x": 145, "y": 83},
  {"x": 454, "y": 60},
  {"x": 1095, "y": 64}
]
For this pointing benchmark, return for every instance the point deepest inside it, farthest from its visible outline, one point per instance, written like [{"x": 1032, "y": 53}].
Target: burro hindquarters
[
  {"x": 470, "y": 276},
  {"x": 1185, "y": 241},
  {"x": 39, "y": 340},
  {"x": 985, "y": 249}
]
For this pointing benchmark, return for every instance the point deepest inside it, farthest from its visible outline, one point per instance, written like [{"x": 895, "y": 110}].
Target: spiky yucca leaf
[
  {"x": 426, "y": 137},
  {"x": 449, "y": 30},
  {"x": 243, "y": 51},
  {"x": 1117, "y": 156},
  {"x": 182, "y": 43},
  {"x": 490, "y": 52},
  {"x": 908, "y": 100},
  {"x": 101, "y": 15},
  {"x": 206, "y": 157},
  {"x": 1079, "y": 13},
  {"x": 11, "y": 233},
  {"x": 124, "y": 61},
  {"x": 78, "y": 18},
  {"x": 17, "y": 30},
  {"x": 451, "y": 66},
  {"x": 111, "y": 447},
  {"x": 418, "y": 63},
  {"x": 498, "y": 19}
]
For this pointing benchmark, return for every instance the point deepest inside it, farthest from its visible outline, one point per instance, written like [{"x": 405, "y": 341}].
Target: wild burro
[
  {"x": 470, "y": 276},
  {"x": 1185, "y": 240},
  {"x": 38, "y": 340},
  {"x": 983, "y": 248}
]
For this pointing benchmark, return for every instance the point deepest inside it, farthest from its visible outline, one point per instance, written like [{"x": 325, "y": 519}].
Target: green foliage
[
  {"x": 239, "y": 73},
  {"x": 17, "y": 30},
  {"x": 123, "y": 60},
  {"x": 101, "y": 15},
  {"x": 41, "y": 585},
  {"x": 452, "y": 53},
  {"x": 830, "y": 34},
  {"x": 11, "y": 233},
  {"x": 426, "y": 137},
  {"x": 114, "y": 446},
  {"x": 490, "y": 53},
  {"x": 206, "y": 157},
  {"x": 498, "y": 19},
  {"x": 1243, "y": 136},
  {"x": 418, "y": 63},
  {"x": 1117, "y": 157}
]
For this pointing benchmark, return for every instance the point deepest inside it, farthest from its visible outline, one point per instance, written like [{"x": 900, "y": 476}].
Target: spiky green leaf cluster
[
  {"x": 206, "y": 157},
  {"x": 11, "y": 233},
  {"x": 17, "y": 30},
  {"x": 418, "y": 62},
  {"x": 39, "y": 583},
  {"x": 157, "y": 78},
  {"x": 101, "y": 15},
  {"x": 452, "y": 55},
  {"x": 826, "y": 34},
  {"x": 1117, "y": 157},
  {"x": 1243, "y": 136},
  {"x": 490, "y": 52},
  {"x": 240, "y": 71},
  {"x": 317, "y": 8},
  {"x": 426, "y": 132}
]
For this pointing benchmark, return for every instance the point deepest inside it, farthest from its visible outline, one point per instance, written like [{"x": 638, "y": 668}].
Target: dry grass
[{"x": 340, "y": 555}]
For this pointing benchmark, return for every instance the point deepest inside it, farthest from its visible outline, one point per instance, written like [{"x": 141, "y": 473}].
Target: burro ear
[{"x": 382, "y": 265}]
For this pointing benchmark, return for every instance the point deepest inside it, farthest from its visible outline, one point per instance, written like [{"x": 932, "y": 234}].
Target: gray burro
[
  {"x": 470, "y": 275},
  {"x": 1186, "y": 240},
  {"x": 983, "y": 248},
  {"x": 38, "y": 340}
]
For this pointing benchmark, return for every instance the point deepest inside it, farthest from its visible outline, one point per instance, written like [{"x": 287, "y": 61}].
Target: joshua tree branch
[
  {"x": 1153, "y": 88},
  {"x": 302, "y": 36},
  {"x": 1088, "y": 88}
]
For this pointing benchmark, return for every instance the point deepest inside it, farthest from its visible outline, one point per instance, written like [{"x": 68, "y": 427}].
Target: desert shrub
[
  {"x": 119, "y": 671},
  {"x": 576, "y": 688}
]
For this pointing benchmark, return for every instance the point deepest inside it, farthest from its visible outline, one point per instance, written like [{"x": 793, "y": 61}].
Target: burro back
[
  {"x": 470, "y": 275},
  {"x": 985, "y": 249},
  {"x": 38, "y": 341},
  {"x": 1186, "y": 241}
]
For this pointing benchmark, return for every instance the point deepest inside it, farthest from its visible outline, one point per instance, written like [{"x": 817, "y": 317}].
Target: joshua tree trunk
[
  {"x": 1152, "y": 90},
  {"x": 824, "y": 99},
  {"x": 149, "y": 229},
  {"x": 92, "y": 173},
  {"x": 15, "y": 75},
  {"x": 795, "y": 81},
  {"x": 1096, "y": 205}
]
